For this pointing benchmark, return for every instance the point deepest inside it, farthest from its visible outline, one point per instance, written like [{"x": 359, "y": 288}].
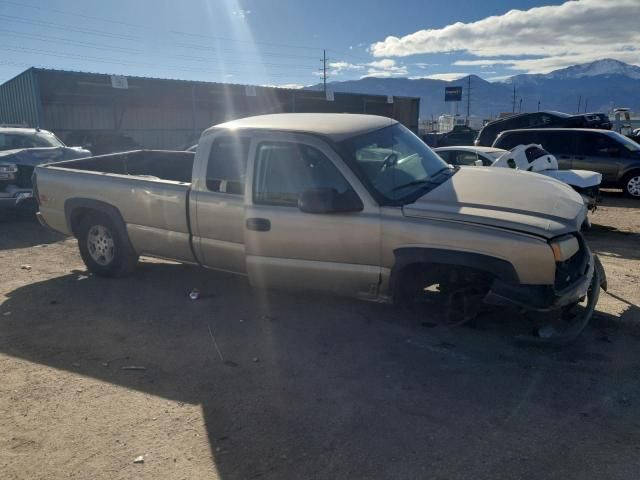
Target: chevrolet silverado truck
[{"x": 351, "y": 204}]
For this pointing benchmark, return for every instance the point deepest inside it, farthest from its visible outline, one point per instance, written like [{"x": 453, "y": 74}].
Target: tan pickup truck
[{"x": 353, "y": 204}]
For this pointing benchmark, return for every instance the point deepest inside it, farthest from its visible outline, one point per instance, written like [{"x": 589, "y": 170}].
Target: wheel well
[
  {"x": 76, "y": 217},
  {"x": 634, "y": 171},
  {"x": 419, "y": 275},
  {"x": 427, "y": 266}
]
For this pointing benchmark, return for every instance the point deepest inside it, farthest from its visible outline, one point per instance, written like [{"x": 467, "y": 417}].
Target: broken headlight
[{"x": 564, "y": 247}]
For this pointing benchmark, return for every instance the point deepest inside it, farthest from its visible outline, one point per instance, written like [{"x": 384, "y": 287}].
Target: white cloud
[
  {"x": 441, "y": 76},
  {"x": 561, "y": 35},
  {"x": 240, "y": 13},
  {"x": 385, "y": 68},
  {"x": 338, "y": 67}
]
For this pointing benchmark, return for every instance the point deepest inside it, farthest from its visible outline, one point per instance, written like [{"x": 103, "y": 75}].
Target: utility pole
[
  {"x": 514, "y": 98},
  {"x": 579, "y": 102},
  {"x": 586, "y": 102},
  {"x": 538, "y": 105},
  {"x": 324, "y": 70},
  {"x": 468, "y": 98},
  {"x": 520, "y": 109}
]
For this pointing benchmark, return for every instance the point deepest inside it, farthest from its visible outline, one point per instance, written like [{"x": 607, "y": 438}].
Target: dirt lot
[{"x": 307, "y": 386}]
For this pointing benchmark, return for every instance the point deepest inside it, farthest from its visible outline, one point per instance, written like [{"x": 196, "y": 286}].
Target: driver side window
[{"x": 285, "y": 170}]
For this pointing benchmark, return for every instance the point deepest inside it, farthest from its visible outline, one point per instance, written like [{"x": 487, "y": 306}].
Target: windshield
[
  {"x": 626, "y": 141},
  {"x": 495, "y": 154},
  {"x": 14, "y": 141},
  {"x": 395, "y": 165}
]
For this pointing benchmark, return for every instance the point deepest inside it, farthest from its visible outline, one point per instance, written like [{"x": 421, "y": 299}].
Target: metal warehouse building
[{"x": 162, "y": 113}]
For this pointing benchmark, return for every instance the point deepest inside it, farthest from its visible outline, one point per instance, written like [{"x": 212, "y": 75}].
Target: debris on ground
[
  {"x": 75, "y": 364},
  {"x": 139, "y": 459},
  {"x": 215, "y": 344},
  {"x": 255, "y": 359},
  {"x": 6, "y": 314},
  {"x": 194, "y": 294},
  {"x": 25, "y": 267},
  {"x": 133, "y": 367}
]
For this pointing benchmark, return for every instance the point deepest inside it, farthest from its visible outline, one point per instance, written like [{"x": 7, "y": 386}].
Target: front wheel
[
  {"x": 631, "y": 185},
  {"x": 103, "y": 248}
]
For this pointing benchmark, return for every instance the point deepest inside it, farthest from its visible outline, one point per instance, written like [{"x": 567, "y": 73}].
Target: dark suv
[
  {"x": 548, "y": 119},
  {"x": 613, "y": 155}
]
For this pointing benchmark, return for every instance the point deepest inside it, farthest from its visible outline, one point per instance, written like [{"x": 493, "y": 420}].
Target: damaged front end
[{"x": 569, "y": 302}]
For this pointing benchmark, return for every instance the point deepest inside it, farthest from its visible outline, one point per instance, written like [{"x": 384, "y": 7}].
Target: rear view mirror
[
  {"x": 478, "y": 163},
  {"x": 328, "y": 200}
]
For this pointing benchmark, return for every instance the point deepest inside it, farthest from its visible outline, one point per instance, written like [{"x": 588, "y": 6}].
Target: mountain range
[{"x": 595, "y": 87}]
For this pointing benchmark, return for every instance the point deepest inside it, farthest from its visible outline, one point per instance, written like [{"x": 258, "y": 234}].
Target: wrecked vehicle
[
  {"x": 529, "y": 158},
  {"x": 21, "y": 149},
  {"x": 351, "y": 204}
]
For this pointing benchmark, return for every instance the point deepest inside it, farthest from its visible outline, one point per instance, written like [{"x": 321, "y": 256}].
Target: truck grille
[{"x": 23, "y": 178}]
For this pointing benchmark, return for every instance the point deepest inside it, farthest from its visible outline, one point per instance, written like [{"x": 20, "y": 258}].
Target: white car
[{"x": 531, "y": 158}]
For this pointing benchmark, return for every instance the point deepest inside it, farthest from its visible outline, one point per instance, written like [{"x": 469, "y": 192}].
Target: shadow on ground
[
  {"x": 317, "y": 387},
  {"x": 31, "y": 232}
]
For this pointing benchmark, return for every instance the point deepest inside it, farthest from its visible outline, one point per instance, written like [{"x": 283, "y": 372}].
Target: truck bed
[
  {"x": 161, "y": 164},
  {"x": 150, "y": 190}
]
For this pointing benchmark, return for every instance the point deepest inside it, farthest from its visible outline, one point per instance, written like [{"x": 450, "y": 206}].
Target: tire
[
  {"x": 631, "y": 184},
  {"x": 103, "y": 247}
]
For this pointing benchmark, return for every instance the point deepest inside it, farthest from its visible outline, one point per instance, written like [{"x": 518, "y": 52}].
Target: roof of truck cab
[{"x": 336, "y": 126}]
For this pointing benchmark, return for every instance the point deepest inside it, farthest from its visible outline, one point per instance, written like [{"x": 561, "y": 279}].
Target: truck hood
[
  {"x": 37, "y": 156},
  {"x": 504, "y": 198}
]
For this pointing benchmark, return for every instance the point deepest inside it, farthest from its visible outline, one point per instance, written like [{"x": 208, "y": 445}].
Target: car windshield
[
  {"x": 395, "y": 165},
  {"x": 494, "y": 155},
  {"x": 13, "y": 141},
  {"x": 626, "y": 141}
]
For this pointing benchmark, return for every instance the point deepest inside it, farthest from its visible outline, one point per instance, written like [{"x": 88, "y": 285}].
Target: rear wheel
[
  {"x": 631, "y": 185},
  {"x": 103, "y": 248}
]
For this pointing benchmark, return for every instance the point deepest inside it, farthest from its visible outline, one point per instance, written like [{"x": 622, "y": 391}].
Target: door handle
[
  {"x": 258, "y": 224},
  {"x": 579, "y": 158},
  {"x": 565, "y": 157}
]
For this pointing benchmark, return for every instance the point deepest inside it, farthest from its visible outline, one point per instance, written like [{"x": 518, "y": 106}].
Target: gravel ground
[{"x": 243, "y": 384}]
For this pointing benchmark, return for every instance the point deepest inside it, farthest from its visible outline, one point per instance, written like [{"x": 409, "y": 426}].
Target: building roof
[{"x": 336, "y": 126}]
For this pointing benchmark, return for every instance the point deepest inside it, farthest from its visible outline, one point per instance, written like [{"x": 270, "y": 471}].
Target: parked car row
[
  {"x": 546, "y": 119},
  {"x": 531, "y": 158},
  {"x": 613, "y": 155}
]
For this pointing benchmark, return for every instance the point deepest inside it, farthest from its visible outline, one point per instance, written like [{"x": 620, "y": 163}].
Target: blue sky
[{"x": 280, "y": 42}]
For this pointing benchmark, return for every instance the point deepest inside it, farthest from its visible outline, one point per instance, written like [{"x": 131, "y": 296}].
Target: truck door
[
  {"x": 217, "y": 202},
  {"x": 286, "y": 247}
]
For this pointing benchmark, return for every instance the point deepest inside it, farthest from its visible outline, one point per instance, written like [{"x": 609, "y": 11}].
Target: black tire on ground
[
  {"x": 104, "y": 249},
  {"x": 631, "y": 184}
]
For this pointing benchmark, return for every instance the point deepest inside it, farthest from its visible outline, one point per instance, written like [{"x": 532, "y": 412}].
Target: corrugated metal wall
[
  {"x": 19, "y": 100},
  {"x": 171, "y": 114}
]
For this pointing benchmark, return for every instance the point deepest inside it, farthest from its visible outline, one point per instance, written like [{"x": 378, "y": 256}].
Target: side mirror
[
  {"x": 328, "y": 200},
  {"x": 478, "y": 163}
]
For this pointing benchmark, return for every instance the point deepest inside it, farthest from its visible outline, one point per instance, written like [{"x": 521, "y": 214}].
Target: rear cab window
[{"x": 227, "y": 165}]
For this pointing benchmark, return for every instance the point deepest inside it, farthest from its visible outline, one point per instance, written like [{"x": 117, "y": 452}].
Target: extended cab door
[
  {"x": 561, "y": 144},
  {"x": 286, "y": 247},
  {"x": 218, "y": 201}
]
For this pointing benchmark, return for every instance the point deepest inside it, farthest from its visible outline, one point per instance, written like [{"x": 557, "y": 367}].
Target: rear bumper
[{"x": 545, "y": 297}]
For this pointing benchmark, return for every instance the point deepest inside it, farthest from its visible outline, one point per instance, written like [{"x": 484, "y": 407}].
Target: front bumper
[
  {"x": 16, "y": 199},
  {"x": 544, "y": 298}
]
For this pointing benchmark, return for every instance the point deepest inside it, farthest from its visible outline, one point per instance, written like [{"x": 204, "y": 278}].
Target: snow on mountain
[{"x": 607, "y": 66}]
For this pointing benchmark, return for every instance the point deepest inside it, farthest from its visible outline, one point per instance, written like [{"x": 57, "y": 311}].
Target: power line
[
  {"x": 67, "y": 12},
  {"x": 66, "y": 27}
]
